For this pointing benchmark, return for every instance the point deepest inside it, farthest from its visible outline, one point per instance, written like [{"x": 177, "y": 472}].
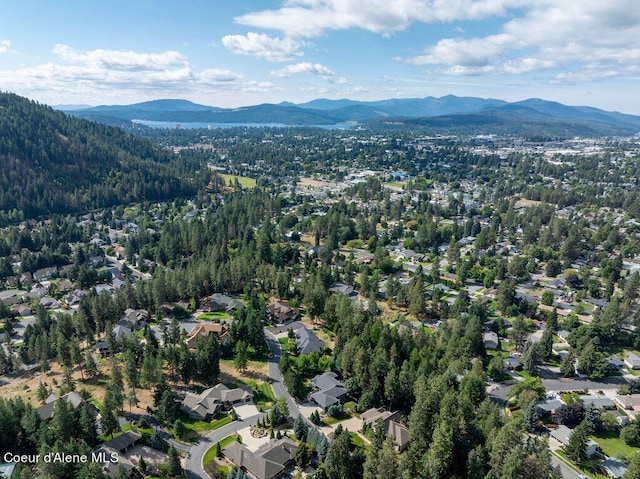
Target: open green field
[{"x": 243, "y": 180}]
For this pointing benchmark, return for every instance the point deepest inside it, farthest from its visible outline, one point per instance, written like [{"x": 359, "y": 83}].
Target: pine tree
[
  {"x": 577, "y": 446},
  {"x": 300, "y": 428},
  {"x": 173, "y": 464},
  {"x": 241, "y": 358},
  {"x": 90, "y": 365},
  {"x": 592, "y": 418},
  {"x": 531, "y": 417}
]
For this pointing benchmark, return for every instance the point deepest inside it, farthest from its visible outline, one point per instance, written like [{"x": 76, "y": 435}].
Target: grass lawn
[
  {"x": 284, "y": 344},
  {"x": 356, "y": 440},
  {"x": 210, "y": 455},
  {"x": 243, "y": 180},
  {"x": 212, "y": 316},
  {"x": 262, "y": 394},
  {"x": 612, "y": 445},
  {"x": 195, "y": 429},
  {"x": 343, "y": 416}
]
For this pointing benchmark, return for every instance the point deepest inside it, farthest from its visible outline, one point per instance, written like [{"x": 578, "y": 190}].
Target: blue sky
[{"x": 231, "y": 53}]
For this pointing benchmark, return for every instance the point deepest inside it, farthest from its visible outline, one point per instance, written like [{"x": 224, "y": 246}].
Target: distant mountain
[
  {"x": 54, "y": 163},
  {"x": 478, "y": 113}
]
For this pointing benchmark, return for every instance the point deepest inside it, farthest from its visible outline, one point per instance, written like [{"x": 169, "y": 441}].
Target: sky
[{"x": 232, "y": 53}]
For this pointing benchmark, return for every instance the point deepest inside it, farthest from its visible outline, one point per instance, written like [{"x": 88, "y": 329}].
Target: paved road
[
  {"x": 577, "y": 383},
  {"x": 193, "y": 465},
  {"x": 276, "y": 377},
  {"x": 567, "y": 472}
]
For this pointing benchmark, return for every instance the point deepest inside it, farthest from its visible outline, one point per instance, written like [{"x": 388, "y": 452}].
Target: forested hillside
[{"x": 52, "y": 163}]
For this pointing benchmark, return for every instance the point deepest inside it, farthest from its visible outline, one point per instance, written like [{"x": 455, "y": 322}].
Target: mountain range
[{"x": 446, "y": 114}]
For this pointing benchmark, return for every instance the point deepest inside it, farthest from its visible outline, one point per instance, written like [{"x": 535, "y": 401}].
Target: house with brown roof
[
  {"x": 281, "y": 313},
  {"x": 204, "y": 330}
]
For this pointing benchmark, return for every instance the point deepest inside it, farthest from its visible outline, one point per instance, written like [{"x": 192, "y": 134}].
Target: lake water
[{"x": 210, "y": 126}]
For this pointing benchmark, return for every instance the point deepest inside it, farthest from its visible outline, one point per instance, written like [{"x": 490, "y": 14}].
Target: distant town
[{"x": 335, "y": 304}]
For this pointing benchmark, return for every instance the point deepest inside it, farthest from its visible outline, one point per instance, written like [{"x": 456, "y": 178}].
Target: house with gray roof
[
  {"x": 548, "y": 405},
  {"x": 391, "y": 423},
  {"x": 341, "y": 288},
  {"x": 267, "y": 462},
  {"x": 222, "y": 302},
  {"x": 613, "y": 467},
  {"x": 632, "y": 361},
  {"x": 46, "y": 410},
  {"x": 599, "y": 402},
  {"x": 307, "y": 342},
  {"x": 490, "y": 340},
  {"x": 562, "y": 434},
  {"x": 205, "y": 405},
  {"x": 329, "y": 390}
]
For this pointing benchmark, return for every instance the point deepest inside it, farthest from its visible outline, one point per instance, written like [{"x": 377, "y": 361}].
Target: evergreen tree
[
  {"x": 241, "y": 358},
  {"x": 531, "y": 417},
  {"x": 592, "y": 418},
  {"x": 300, "y": 428},
  {"x": 576, "y": 448},
  {"x": 90, "y": 365},
  {"x": 173, "y": 464}
]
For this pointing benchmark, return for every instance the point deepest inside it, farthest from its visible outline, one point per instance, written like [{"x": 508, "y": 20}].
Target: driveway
[
  {"x": 246, "y": 410},
  {"x": 193, "y": 465}
]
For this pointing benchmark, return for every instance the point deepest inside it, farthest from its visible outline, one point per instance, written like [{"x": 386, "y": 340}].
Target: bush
[{"x": 335, "y": 410}]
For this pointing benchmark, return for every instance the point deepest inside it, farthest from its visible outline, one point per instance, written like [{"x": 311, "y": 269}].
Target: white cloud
[
  {"x": 305, "y": 67},
  {"x": 264, "y": 46},
  {"x": 122, "y": 60},
  {"x": 116, "y": 76},
  {"x": 4, "y": 46},
  {"x": 589, "y": 39},
  {"x": 310, "y": 18}
]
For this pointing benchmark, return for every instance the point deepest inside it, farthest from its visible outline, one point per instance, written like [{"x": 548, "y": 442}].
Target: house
[
  {"x": 548, "y": 406},
  {"x": 562, "y": 434},
  {"x": 206, "y": 404},
  {"x": 46, "y": 410},
  {"x": 512, "y": 363},
  {"x": 102, "y": 348},
  {"x": 491, "y": 340},
  {"x": 137, "y": 317},
  {"x": 632, "y": 361},
  {"x": 75, "y": 297},
  {"x": 45, "y": 274},
  {"x": 392, "y": 425},
  {"x": 329, "y": 390},
  {"x": 281, "y": 313},
  {"x": 26, "y": 278},
  {"x": 104, "y": 288},
  {"x": 267, "y": 462},
  {"x": 49, "y": 303},
  {"x": 204, "y": 330},
  {"x": 341, "y": 288},
  {"x": 122, "y": 331},
  {"x": 111, "y": 452},
  {"x": 7, "y": 470},
  {"x": 628, "y": 401},
  {"x": 222, "y": 302},
  {"x": 612, "y": 467},
  {"x": 599, "y": 402},
  {"x": 307, "y": 342},
  {"x": 21, "y": 309}
]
